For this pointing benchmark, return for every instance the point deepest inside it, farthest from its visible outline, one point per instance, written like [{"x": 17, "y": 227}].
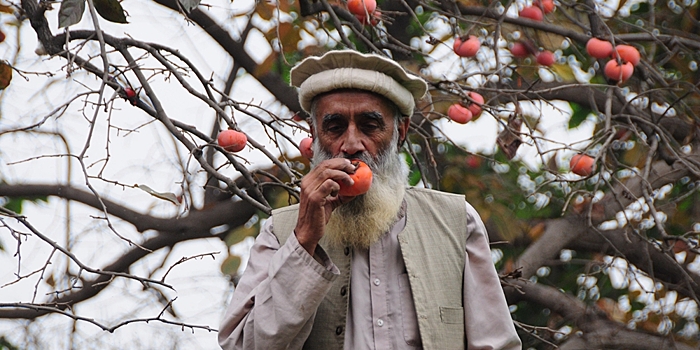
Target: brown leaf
[{"x": 168, "y": 196}]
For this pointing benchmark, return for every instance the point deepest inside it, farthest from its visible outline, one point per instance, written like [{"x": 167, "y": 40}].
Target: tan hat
[{"x": 347, "y": 69}]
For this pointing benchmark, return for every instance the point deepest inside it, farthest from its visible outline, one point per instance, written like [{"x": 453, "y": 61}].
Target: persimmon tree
[{"x": 601, "y": 257}]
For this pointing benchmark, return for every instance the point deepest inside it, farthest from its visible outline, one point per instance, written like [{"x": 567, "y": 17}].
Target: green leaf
[
  {"x": 578, "y": 115},
  {"x": 5, "y": 75},
  {"x": 110, "y": 10},
  {"x": 230, "y": 265},
  {"x": 15, "y": 203},
  {"x": 239, "y": 234},
  {"x": 189, "y": 5},
  {"x": 71, "y": 12}
]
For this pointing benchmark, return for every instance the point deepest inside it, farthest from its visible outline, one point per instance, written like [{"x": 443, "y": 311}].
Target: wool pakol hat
[{"x": 347, "y": 69}]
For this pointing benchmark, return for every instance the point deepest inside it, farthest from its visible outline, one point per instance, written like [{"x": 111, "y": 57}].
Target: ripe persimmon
[
  {"x": 459, "y": 113},
  {"x": 362, "y": 177},
  {"x": 582, "y": 164},
  {"x": 305, "y": 147},
  {"x": 546, "y": 5},
  {"x": 599, "y": 48},
  {"x": 232, "y": 140},
  {"x": 519, "y": 50},
  {"x": 627, "y": 53},
  {"x": 362, "y": 7},
  {"x": 475, "y": 107},
  {"x": 546, "y": 58},
  {"x": 533, "y": 13},
  {"x": 617, "y": 72},
  {"x": 466, "y": 48}
]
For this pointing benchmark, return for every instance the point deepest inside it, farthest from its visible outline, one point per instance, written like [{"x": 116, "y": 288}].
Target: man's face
[
  {"x": 353, "y": 123},
  {"x": 362, "y": 125}
]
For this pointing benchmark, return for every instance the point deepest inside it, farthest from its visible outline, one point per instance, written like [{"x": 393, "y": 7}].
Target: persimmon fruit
[
  {"x": 519, "y": 50},
  {"x": 232, "y": 140},
  {"x": 620, "y": 73},
  {"x": 547, "y": 6},
  {"x": 532, "y": 12},
  {"x": 305, "y": 147},
  {"x": 363, "y": 180},
  {"x": 582, "y": 164},
  {"x": 466, "y": 48},
  {"x": 362, "y": 7},
  {"x": 546, "y": 58},
  {"x": 599, "y": 48},
  {"x": 475, "y": 106},
  {"x": 627, "y": 53},
  {"x": 459, "y": 113}
]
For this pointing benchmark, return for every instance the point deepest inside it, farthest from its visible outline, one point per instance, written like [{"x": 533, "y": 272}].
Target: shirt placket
[{"x": 378, "y": 277}]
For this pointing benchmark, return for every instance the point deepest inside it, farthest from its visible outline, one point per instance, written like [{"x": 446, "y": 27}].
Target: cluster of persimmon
[
  {"x": 462, "y": 114},
  {"x": 365, "y": 11},
  {"x": 624, "y": 58},
  {"x": 232, "y": 140},
  {"x": 521, "y": 50}
]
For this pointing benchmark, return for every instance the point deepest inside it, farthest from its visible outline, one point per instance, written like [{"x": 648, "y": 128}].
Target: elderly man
[{"x": 394, "y": 268}]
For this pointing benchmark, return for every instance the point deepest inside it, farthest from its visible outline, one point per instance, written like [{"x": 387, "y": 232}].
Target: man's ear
[{"x": 403, "y": 129}]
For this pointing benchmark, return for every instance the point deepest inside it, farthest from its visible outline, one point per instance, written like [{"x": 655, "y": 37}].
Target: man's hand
[{"x": 319, "y": 196}]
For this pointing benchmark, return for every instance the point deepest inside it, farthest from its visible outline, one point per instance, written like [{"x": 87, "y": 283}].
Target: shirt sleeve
[
  {"x": 488, "y": 325},
  {"x": 274, "y": 304}
]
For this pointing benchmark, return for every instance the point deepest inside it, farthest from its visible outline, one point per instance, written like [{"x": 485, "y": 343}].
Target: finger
[{"x": 313, "y": 181}]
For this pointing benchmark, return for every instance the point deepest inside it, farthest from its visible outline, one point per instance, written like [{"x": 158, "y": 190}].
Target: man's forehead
[{"x": 343, "y": 98}]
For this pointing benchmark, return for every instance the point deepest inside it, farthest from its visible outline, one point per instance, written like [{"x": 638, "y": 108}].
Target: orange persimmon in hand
[{"x": 363, "y": 180}]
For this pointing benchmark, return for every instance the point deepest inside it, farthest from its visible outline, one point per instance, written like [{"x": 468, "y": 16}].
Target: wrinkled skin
[{"x": 349, "y": 123}]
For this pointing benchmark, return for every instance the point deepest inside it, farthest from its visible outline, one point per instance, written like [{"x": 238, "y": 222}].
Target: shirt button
[
  {"x": 347, "y": 251},
  {"x": 339, "y": 330},
  {"x": 376, "y": 281},
  {"x": 380, "y": 322},
  {"x": 343, "y": 290}
]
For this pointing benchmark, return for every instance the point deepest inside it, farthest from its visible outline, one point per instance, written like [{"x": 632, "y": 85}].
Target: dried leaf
[
  {"x": 71, "y": 12},
  {"x": 110, "y": 10},
  {"x": 5, "y": 75},
  {"x": 168, "y": 196},
  {"x": 6, "y": 9},
  {"x": 509, "y": 139}
]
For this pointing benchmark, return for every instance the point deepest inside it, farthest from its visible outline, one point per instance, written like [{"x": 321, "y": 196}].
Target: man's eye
[
  {"x": 334, "y": 128},
  {"x": 370, "y": 127}
]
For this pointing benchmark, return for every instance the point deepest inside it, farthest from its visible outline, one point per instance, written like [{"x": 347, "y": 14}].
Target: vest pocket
[
  {"x": 452, "y": 315},
  {"x": 409, "y": 319}
]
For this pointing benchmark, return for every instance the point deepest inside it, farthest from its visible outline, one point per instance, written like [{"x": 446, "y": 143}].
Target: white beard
[{"x": 362, "y": 221}]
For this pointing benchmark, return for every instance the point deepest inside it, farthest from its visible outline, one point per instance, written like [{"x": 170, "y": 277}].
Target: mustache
[{"x": 385, "y": 163}]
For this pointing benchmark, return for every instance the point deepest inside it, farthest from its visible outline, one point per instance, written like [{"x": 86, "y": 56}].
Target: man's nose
[{"x": 352, "y": 142}]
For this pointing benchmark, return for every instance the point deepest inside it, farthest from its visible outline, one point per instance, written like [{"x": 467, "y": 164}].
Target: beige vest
[{"x": 433, "y": 245}]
